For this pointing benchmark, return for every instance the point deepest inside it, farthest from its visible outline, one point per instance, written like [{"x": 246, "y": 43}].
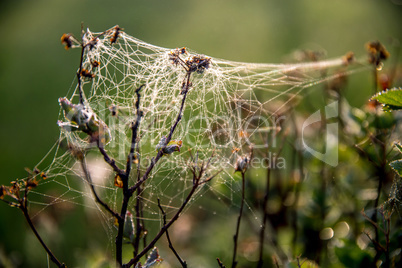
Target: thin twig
[
  {"x": 80, "y": 90},
  {"x": 140, "y": 223},
  {"x": 126, "y": 193},
  {"x": 134, "y": 130},
  {"x": 110, "y": 161},
  {"x": 160, "y": 153},
  {"x": 97, "y": 198},
  {"x": 221, "y": 265},
  {"x": 24, "y": 209},
  {"x": 183, "y": 263},
  {"x": 197, "y": 175},
  {"x": 236, "y": 236},
  {"x": 163, "y": 229}
]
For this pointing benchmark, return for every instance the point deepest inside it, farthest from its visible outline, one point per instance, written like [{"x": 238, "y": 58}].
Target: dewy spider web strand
[{"x": 227, "y": 108}]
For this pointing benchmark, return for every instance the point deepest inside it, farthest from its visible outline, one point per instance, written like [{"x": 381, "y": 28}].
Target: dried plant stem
[
  {"x": 265, "y": 218},
  {"x": 160, "y": 153},
  {"x": 79, "y": 74},
  {"x": 126, "y": 193},
  {"x": 183, "y": 263},
  {"x": 165, "y": 227},
  {"x": 236, "y": 236},
  {"x": 110, "y": 161},
  {"x": 24, "y": 209},
  {"x": 138, "y": 223},
  {"x": 97, "y": 198},
  {"x": 221, "y": 265}
]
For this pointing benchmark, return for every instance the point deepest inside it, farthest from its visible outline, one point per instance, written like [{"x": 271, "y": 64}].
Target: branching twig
[
  {"x": 80, "y": 90},
  {"x": 160, "y": 153},
  {"x": 110, "y": 161},
  {"x": 198, "y": 173},
  {"x": 23, "y": 206},
  {"x": 126, "y": 193},
  {"x": 134, "y": 130},
  {"x": 163, "y": 229},
  {"x": 183, "y": 263},
  {"x": 48, "y": 251}
]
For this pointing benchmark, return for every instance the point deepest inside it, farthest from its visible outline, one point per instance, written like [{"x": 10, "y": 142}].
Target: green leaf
[
  {"x": 399, "y": 146},
  {"x": 397, "y": 166},
  {"x": 392, "y": 99}
]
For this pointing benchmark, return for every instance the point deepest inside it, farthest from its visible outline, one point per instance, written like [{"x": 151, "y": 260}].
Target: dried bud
[
  {"x": 171, "y": 147},
  {"x": 377, "y": 52},
  {"x": 67, "y": 40},
  {"x": 242, "y": 163},
  {"x": 117, "y": 181},
  {"x": 2, "y": 191},
  {"x": 81, "y": 119}
]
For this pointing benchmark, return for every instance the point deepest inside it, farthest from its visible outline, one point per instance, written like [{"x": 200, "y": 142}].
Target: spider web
[{"x": 228, "y": 106}]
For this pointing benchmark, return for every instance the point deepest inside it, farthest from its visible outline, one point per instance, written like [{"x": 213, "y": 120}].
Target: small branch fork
[
  {"x": 183, "y": 263},
  {"x": 198, "y": 173},
  {"x": 22, "y": 203},
  {"x": 124, "y": 177}
]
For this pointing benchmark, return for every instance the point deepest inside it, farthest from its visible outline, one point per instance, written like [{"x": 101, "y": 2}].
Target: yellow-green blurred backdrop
[{"x": 35, "y": 70}]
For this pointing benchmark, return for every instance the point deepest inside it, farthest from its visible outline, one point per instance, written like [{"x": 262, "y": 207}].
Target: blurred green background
[{"x": 35, "y": 70}]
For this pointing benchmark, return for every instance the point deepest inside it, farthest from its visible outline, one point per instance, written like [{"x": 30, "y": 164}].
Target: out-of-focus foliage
[{"x": 392, "y": 99}]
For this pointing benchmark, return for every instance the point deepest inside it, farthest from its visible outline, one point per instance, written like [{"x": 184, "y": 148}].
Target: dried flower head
[
  {"x": 116, "y": 32},
  {"x": 87, "y": 74},
  {"x": 242, "y": 163},
  {"x": 67, "y": 39},
  {"x": 169, "y": 148},
  {"x": 377, "y": 52},
  {"x": 198, "y": 64}
]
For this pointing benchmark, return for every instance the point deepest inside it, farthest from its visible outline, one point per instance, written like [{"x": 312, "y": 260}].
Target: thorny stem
[
  {"x": 23, "y": 206},
  {"x": 236, "y": 236},
  {"x": 183, "y": 263}
]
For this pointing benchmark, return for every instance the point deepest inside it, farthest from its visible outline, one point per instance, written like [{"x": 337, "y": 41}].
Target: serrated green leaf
[
  {"x": 399, "y": 146},
  {"x": 397, "y": 166},
  {"x": 392, "y": 99}
]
